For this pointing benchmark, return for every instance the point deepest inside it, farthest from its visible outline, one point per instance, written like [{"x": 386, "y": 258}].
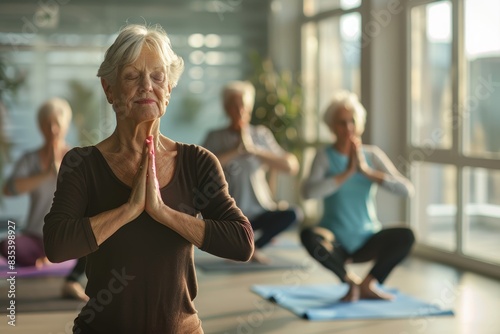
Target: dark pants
[
  {"x": 77, "y": 271},
  {"x": 271, "y": 223},
  {"x": 387, "y": 247}
]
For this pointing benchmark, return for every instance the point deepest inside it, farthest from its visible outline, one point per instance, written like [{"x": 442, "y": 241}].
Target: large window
[
  {"x": 331, "y": 61},
  {"x": 454, "y": 126},
  {"x": 331, "y": 58}
]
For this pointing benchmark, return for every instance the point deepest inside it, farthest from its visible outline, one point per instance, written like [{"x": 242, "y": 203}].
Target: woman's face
[
  {"x": 141, "y": 91},
  {"x": 343, "y": 125},
  {"x": 237, "y": 112},
  {"x": 53, "y": 127}
]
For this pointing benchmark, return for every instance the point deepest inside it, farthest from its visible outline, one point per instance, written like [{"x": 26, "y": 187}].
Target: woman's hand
[
  {"x": 357, "y": 151},
  {"x": 53, "y": 164},
  {"x": 154, "y": 202},
  {"x": 353, "y": 164},
  {"x": 246, "y": 141},
  {"x": 137, "y": 199}
]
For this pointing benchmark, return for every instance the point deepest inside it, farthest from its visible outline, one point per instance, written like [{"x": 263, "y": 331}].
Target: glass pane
[
  {"x": 339, "y": 59},
  {"x": 431, "y": 95},
  {"x": 434, "y": 208},
  {"x": 312, "y": 7},
  {"x": 481, "y": 107},
  {"x": 482, "y": 214},
  {"x": 310, "y": 81}
]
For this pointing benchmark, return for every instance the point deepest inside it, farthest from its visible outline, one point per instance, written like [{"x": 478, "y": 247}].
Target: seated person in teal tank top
[{"x": 346, "y": 176}]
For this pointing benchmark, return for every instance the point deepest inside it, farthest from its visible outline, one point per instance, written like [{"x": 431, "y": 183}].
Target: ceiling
[{"x": 245, "y": 18}]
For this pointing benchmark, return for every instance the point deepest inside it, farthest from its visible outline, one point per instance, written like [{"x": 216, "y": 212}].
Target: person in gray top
[
  {"x": 35, "y": 174},
  {"x": 246, "y": 152}
]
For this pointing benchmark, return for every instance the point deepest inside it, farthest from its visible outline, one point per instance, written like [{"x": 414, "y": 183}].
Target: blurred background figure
[
  {"x": 345, "y": 176},
  {"x": 246, "y": 153},
  {"x": 35, "y": 174}
]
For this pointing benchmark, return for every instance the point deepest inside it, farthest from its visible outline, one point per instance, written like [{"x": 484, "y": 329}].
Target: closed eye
[{"x": 159, "y": 77}]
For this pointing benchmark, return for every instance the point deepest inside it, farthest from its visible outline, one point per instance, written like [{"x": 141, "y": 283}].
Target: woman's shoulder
[
  {"x": 83, "y": 150},
  {"x": 193, "y": 150},
  {"x": 80, "y": 153},
  {"x": 218, "y": 132}
]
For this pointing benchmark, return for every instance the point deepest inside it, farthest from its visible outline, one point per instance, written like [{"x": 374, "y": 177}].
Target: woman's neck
[
  {"x": 343, "y": 147},
  {"x": 128, "y": 138},
  {"x": 54, "y": 145}
]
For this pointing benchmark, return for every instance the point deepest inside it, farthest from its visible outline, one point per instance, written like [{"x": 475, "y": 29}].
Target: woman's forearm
[
  {"x": 105, "y": 224},
  {"x": 189, "y": 227},
  {"x": 23, "y": 185},
  {"x": 226, "y": 157},
  {"x": 287, "y": 163}
]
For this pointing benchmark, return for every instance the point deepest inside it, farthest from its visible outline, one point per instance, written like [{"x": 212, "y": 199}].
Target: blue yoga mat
[{"x": 322, "y": 302}]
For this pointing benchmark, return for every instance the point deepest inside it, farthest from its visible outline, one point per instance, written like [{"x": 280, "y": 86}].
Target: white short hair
[
  {"x": 127, "y": 48},
  {"x": 350, "y": 101},
  {"x": 245, "y": 88}
]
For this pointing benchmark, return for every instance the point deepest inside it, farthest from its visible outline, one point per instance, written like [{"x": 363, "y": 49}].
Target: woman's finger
[
  {"x": 152, "y": 179},
  {"x": 143, "y": 167}
]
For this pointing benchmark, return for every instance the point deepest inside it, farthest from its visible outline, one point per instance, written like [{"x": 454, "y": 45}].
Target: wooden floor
[{"x": 226, "y": 305}]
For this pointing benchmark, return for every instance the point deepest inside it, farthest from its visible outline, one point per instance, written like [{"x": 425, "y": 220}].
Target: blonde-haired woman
[{"x": 346, "y": 175}]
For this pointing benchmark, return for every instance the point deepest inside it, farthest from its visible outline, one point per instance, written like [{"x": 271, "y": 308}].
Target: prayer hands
[
  {"x": 145, "y": 193},
  {"x": 357, "y": 154},
  {"x": 357, "y": 159},
  {"x": 54, "y": 161},
  {"x": 246, "y": 144},
  {"x": 154, "y": 203}
]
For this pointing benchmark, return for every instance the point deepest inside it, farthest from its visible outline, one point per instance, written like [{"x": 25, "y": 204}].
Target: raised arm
[{"x": 391, "y": 178}]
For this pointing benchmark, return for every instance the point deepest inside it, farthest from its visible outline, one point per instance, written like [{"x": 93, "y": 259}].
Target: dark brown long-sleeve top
[{"x": 142, "y": 279}]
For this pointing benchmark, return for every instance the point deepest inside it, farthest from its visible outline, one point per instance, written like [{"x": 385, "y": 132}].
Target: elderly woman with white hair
[
  {"x": 346, "y": 175},
  {"x": 35, "y": 174},
  {"x": 132, "y": 203},
  {"x": 247, "y": 152}
]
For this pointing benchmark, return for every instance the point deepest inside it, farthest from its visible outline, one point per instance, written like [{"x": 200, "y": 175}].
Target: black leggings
[
  {"x": 387, "y": 247},
  {"x": 77, "y": 271},
  {"x": 271, "y": 223}
]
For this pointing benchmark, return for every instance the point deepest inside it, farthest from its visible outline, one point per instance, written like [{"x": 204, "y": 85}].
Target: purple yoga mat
[{"x": 55, "y": 269}]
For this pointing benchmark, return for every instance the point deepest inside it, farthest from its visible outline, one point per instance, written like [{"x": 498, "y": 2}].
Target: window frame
[{"x": 455, "y": 155}]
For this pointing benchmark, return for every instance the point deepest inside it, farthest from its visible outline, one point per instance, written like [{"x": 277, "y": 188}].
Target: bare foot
[
  {"x": 258, "y": 257},
  {"x": 74, "y": 290},
  {"x": 370, "y": 291},
  {"x": 42, "y": 262},
  {"x": 353, "y": 294}
]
